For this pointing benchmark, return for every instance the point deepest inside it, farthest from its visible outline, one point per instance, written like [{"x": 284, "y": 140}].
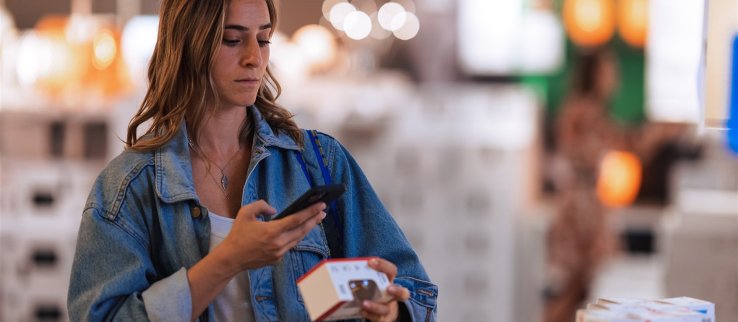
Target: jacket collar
[
  {"x": 264, "y": 133},
  {"x": 173, "y": 166}
]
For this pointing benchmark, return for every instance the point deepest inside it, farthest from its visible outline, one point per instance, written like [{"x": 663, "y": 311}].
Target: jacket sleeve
[
  {"x": 113, "y": 277},
  {"x": 370, "y": 230}
]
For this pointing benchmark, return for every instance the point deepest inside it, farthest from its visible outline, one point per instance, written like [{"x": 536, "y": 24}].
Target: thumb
[{"x": 255, "y": 209}]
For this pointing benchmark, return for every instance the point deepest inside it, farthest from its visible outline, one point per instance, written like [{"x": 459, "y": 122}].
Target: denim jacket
[{"x": 143, "y": 226}]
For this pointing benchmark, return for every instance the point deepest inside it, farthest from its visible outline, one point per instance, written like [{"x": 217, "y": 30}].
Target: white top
[{"x": 234, "y": 302}]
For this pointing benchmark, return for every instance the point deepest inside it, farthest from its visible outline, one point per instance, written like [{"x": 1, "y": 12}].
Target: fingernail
[
  {"x": 373, "y": 262},
  {"x": 391, "y": 288},
  {"x": 366, "y": 304},
  {"x": 323, "y": 215}
]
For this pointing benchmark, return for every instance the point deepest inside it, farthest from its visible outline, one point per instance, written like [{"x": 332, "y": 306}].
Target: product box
[
  {"x": 681, "y": 309},
  {"x": 697, "y": 305},
  {"x": 599, "y": 315},
  {"x": 335, "y": 288}
]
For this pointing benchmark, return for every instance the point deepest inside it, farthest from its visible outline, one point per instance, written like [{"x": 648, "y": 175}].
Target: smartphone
[{"x": 326, "y": 193}]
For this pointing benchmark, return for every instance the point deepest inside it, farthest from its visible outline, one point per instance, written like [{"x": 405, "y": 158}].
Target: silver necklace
[{"x": 223, "y": 176}]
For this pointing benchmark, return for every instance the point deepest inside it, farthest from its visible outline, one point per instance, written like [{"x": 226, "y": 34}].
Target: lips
[{"x": 248, "y": 82}]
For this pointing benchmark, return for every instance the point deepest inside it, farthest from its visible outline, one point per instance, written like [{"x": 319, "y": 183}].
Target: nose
[{"x": 251, "y": 55}]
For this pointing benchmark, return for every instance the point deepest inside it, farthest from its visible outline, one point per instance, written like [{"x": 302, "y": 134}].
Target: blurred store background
[{"x": 537, "y": 153}]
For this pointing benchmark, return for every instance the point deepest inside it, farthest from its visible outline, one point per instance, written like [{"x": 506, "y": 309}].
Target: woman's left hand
[{"x": 385, "y": 312}]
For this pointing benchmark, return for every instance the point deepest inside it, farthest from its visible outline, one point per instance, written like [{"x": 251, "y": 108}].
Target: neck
[{"x": 220, "y": 134}]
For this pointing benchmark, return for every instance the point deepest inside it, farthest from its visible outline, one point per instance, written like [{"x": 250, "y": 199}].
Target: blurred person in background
[
  {"x": 580, "y": 239},
  {"x": 174, "y": 228}
]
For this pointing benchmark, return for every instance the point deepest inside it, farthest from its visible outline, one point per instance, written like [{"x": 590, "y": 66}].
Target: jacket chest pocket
[{"x": 308, "y": 253}]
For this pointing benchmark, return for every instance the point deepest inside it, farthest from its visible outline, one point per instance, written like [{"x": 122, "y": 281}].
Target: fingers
[
  {"x": 267, "y": 242},
  {"x": 255, "y": 209},
  {"x": 374, "y": 311},
  {"x": 302, "y": 216},
  {"x": 384, "y": 266},
  {"x": 398, "y": 292}
]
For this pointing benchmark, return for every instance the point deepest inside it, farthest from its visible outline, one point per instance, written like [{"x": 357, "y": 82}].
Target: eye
[
  {"x": 231, "y": 42},
  {"x": 264, "y": 43}
]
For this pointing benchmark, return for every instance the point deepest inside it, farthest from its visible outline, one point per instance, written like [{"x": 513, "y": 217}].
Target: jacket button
[{"x": 196, "y": 212}]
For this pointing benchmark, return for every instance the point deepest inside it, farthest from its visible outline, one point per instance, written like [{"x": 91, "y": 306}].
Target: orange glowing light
[
  {"x": 633, "y": 21},
  {"x": 104, "y": 49},
  {"x": 619, "y": 179},
  {"x": 78, "y": 58},
  {"x": 60, "y": 63},
  {"x": 589, "y": 22}
]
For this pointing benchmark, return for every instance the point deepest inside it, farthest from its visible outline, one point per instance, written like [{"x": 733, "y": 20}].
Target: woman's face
[
  {"x": 607, "y": 76},
  {"x": 240, "y": 62}
]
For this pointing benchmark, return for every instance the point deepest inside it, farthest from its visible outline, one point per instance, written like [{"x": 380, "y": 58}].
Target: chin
[
  {"x": 238, "y": 98},
  {"x": 249, "y": 100},
  {"x": 241, "y": 101}
]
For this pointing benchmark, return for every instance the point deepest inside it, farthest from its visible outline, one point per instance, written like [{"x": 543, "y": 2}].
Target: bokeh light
[
  {"x": 388, "y": 13},
  {"x": 317, "y": 44},
  {"x": 589, "y": 22},
  {"x": 328, "y": 5},
  {"x": 34, "y": 57},
  {"x": 137, "y": 44},
  {"x": 409, "y": 28},
  {"x": 81, "y": 28},
  {"x": 357, "y": 25},
  {"x": 633, "y": 21},
  {"x": 338, "y": 14},
  {"x": 104, "y": 49},
  {"x": 619, "y": 179}
]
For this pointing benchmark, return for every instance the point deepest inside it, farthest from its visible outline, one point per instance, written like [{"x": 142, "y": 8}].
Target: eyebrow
[{"x": 244, "y": 28}]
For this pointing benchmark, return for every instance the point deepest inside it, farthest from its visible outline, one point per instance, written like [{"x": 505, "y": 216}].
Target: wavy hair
[{"x": 180, "y": 82}]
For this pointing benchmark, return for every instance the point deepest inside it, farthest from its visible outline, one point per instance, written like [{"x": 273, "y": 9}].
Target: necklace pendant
[{"x": 224, "y": 182}]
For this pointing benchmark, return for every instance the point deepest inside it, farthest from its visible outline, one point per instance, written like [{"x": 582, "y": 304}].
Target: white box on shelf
[
  {"x": 618, "y": 309},
  {"x": 693, "y": 304},
  {"x": 334, "y": 289}
]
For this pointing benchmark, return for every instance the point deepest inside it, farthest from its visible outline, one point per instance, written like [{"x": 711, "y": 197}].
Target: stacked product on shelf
[
  {"x": 677, "y": 309},
  {"x": 48, "y": 162}
]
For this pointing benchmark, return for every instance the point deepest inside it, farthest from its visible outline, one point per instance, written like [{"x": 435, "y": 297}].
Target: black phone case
[{"x": 326, "y": 193}]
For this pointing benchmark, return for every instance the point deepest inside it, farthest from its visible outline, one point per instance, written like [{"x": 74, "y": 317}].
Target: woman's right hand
[
  {"x": 255, "y": 243},
  {"x": 250, "y": 244}
]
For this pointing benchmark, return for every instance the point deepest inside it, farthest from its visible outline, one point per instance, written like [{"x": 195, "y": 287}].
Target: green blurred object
[
  {"x": 629, "y": 100},
  {"x": 628, "y": 104}
]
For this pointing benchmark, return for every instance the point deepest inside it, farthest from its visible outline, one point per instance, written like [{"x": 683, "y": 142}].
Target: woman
[
  {"x": 174, "y": 227},
  {"x": 579, "y": 239}
]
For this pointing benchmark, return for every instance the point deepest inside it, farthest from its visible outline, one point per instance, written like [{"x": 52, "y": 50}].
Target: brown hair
[{"x": 180, "y": 83}]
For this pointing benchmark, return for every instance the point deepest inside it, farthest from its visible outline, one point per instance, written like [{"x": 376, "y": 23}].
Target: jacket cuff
[
  {"x": 421, "y": 307},
  {"x": 169, "y": 299}
]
